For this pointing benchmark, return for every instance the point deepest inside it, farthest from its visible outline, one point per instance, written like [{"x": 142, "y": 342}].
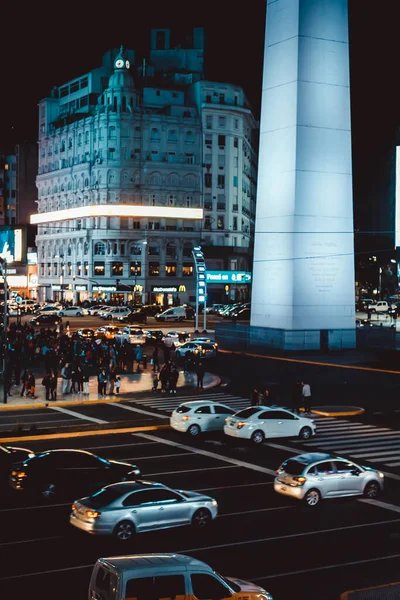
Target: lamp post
[
  {"x": 3, "y": 264},
  {"x": 380, "y": 284}
]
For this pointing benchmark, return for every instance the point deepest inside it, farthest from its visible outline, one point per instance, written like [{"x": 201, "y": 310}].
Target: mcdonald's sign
[{"x": 182, "y": 288}]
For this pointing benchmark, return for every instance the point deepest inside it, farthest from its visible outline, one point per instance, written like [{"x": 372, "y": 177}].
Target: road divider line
[
  {"x": 154, "y": 457},
  {"x": 250, "y": 512},
  {"x": 45, "y": 539},
  {"x": 78, "y": 415},
  {"x": 191, "y": 470},
  {"x": 137, "y": 410},
  {"x": 81, "y": 434},
  {"x": 287, "y": 536},
  {"x": 233, "y": 461},
  {"x": 381, "y": 504},
  {"x": 228, "y": 487}
]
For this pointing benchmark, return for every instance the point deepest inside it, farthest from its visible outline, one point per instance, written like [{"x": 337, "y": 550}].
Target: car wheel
[
  {"x": 61, "y": 314},
  {"x": 312, "y": 497},
  {"x": 181, "y": 319},
  {"x": 258, "y": 437},
  {"x": 109, "y": 317},
  {"x": 124, "y": 530},
  {"x": 78, "y": 314},
  {"x": 48, "y": 491},
  {"x": 372, "y": 490},
  {"x": 194, "y": 430},
  {"x": 305, "y": 433},
  {"x": 373, "y": 311},
  {"x": 201, "y": 518}
]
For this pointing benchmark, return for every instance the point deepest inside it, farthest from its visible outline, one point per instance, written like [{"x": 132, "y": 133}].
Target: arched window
[
  {"x": 62, "y": 188},
  {"x": 69, "y": 251},
  {"x": 170, "y": 250},
  {"x": 172, "y": 135},
  {"x": 63, "y": 146},
  {"x": 124, "y": 103},
  {"x": 187, "y": 250},
  {"x": 99, "y": 248},
  {"x": 86, "y": 182},
  {"x": 55, "y": 190},
  {"x": 171, "y": 200},
  {"x": 80, "y": 139},
  {"x": 55, "y": 148},
  {"x": 86, "y": 248},
  {"x": 155, "y": 135}
]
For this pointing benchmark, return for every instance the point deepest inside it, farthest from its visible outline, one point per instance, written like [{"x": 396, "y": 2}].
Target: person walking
[
  {"x": 306, "y": 394},
  {"x": 46, "y": 381},
  {"x": 103, "y": 382},
  {"x": 24, "y": 379},
  {"x": 200, "y": 374},
  {"x": 31, "y": 385},
  {"x": 297, "y": 397},
  {"x": 66, "y": 379},
  {"x": 112, "y": 380},
  {"x": 138, "y": 357},
  {"x": 254, "y": 397},
  {"x": 173, "y": 379},
  {"x": 164, "y": 377},
  {"x": 85, "y": 377},
  {"x": 156, "y": 360},
  {"x": 53, "y": 387},
  {"x": 79, "y": 379}
]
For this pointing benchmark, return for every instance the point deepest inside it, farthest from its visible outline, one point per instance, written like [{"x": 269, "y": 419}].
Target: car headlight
[
  {"x": 380, "y": 474},
  {"x": 214, "y": 503}
]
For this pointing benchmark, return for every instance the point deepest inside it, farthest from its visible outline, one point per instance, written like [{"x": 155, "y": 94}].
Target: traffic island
[{"x": 336, "y": 411}]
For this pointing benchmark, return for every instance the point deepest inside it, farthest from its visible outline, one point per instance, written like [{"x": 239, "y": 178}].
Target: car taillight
[
  {"x": 73, "y": 507},
  {"x": 300, "y": 480},
  {"x": 185, "y": 418},
  {"x": 94, "y": 514},
  {"x": 20, "y": 474},
  {"x": 241, "y": 424}
]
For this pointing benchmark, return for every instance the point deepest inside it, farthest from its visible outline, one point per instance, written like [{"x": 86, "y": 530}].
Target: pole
[
  {"x": 205, "y": 314},
  {"x": 197, "y": 303},
  {"x": 380, "y": 283},
  {"x": 5, "y": 369}
]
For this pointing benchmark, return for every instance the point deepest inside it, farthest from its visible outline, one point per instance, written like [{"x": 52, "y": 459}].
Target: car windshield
[
  {"x": 234, "y": 586},
  {"x": 293, "y": 467},
  {"x": 106, "y": 496},
  {"x": 246, "y": 413},
  {"x": 183, "y": 409}
]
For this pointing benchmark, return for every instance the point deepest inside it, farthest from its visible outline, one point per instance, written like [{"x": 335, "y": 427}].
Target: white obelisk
[{"x": 303, "y": 277}]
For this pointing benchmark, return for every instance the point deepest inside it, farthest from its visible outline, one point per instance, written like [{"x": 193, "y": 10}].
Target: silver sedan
[{"x": 123, "y": 509}]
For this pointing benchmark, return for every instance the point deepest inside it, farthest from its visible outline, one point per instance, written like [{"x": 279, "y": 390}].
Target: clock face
[
  {"x": 119, "y": 63},
  {"x": 127, "y": 64}
]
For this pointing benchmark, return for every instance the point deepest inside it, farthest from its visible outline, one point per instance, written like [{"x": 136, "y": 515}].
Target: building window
[
  {"x": 189, "y": 159},
  {"x": 137, "y": 131},
  {"x": 209, "y": 122},
  {"x": 235, "y": 181},
  {"x": 135, "y": 250},
  {"x": 62, "y": 146},
  {"x": 80, "y": 139},
  {"x": 79, "y": 268},
  {"x": 85, "y": 248},
  {"x": 170, "y": 269},
  {"x": 221, "y": 121},
  {"x": 135, "y": 268},
  {"x": 70, "y": 143},
  {"x": 154, "y": 269},
  {"x": 55, "y": 269},
  {"x": 122, "y": 249},
  {"x": 112, "y": 133},
  {"x": 208, "y": 99},
  {"x": 221, "y": 140},
  {"x": 99, "y": 269},
  {"x": 13, "y": 193},
  {"x": 220, "y": 222},
  {"x": 221, "y": 182},
  {"x": 136, "y": 224},
  {"x": 155, "y": 135},
  {"x": 235, "y": 223},
  {"x": 222, "y": 98},
  {"x": 187, "y": 270},
  {"x": 48, "y": 269},
  {"x": 154, "y": 225},
  {"x": 189, "y": 137},
  {"x": 171, "y": 250},
  {"x": 208, "y": 180},
  {"x": 207, "y": 222},
  {"x": 236, "y": 142},
  {"x": 86, "y": 268},
  {"x": 154, "y": 250},
  {"x": 236, "y": 123},
  {"x": 42, "y": 269},
  {"x": 187, "y": 251},
  {"x": 99, "y": 248},
  {"x": 117, "y": 268},
  {"x": 69, "y": 269},
  {"x": 172, "y": 135},
  {"x": 115, "y": 249}
]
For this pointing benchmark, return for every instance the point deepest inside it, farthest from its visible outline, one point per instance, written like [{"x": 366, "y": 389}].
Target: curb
[
  {"x": 349, "y": 413},
  {"x": 88, "y": 402},
  {"x": 78, "y": 434}
]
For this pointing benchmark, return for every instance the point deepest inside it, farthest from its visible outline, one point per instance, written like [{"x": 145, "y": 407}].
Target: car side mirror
[{"x": 355, "y": 472}]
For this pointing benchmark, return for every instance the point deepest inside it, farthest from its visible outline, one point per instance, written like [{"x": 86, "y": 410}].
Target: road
[{"x": 291, "y": 550}]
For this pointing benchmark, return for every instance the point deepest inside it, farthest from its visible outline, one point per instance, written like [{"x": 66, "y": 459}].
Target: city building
[
  {"x": 139, "y": 162},
  {"x": 18, "y": 172}
]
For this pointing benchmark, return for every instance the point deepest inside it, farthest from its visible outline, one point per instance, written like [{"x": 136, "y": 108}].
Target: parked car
[
  {"x": 316, "y": 476},
  {"x": 205, "y": 340},
  {"x": 151, "y": 310},
  {"x": 380, "y": 307},
  {"x": 131, "y": 334},
  {"x": 50, "y": 309},
  {"x": 107, "y": 331},
  {"x": 72, "y": 311},
  {"x": 258, "y": 423},
  {"x": 123, "y": 509},
  {"x": 94, "y": 310},
  {"x": 176, "y": 313},
  {"x": 150, "y": 576},
  {"x": 136, "y": 316},
  {"x": 243, "y": 314},
  {"x": 201, "y": 349},
  {"x": 103, "y": 311},
  {"x": 115, "y": 312},
  {"x": 214, "y": 308},
  {"x": 199, "y": 416},
  {"x": 86, "y": 333},
  {"x": 365, "y": 324},
  {"x": 69, "y": 472},
  {"x": 174, "y": 339},
  {"x": 10, "y": 455},
  {"x": 45, "y": 319},
  {"x": 153, "y": 335}
]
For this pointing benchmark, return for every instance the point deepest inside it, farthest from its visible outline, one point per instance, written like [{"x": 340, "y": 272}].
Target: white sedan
[
  {"x": 258, "y": 423},
  {"x": 200, "y": 415},
  {"x": 49, "y": 309},
  {"x": 202, "y": 349},
  {"x": 174, "y": 339},
  {"x": 72, "y": 311}
]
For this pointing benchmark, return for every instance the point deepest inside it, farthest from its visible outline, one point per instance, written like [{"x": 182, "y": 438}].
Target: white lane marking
[
  {"x": 348, "y": 433},
  {"x": 13, "y": 509},
  {"x": 359, "y": 438},
  {"x": 188, "y": 398},
  {"x": 118, "y": 446},
  {"x": 233, "y": 461},
  {"x": 228, "y": 487},
  {"x": 191, "y": 470},
  {"x": 385, "y": 453},
  {"x": 157, "y": 456},
  {"x": 381, "y": 504},
  {"x": 337, "y": 566},
  {"x": 288, "y": 536},
  {"x": 296, "y": 451},
  {"x": 325, "y": 426},
  {"x": 77, "y": 415},
  {"x": 392, "y": 464},
  {"x": 45, "y": 539},
  {"x": 257, "y": 510},
  {"x": 136, "y": 410},
  {"x": 344, "y": 428},
  {"x": 376, "y": 445}
]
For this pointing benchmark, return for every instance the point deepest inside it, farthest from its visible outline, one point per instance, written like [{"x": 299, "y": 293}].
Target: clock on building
[{"x": 119, "y": 63}]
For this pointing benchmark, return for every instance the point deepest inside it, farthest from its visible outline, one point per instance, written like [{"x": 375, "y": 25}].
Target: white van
[
  {"x": 176, "y": 313},
  {"x": 166, "y": 577}
]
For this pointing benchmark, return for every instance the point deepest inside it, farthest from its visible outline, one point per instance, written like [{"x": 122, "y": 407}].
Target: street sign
[
  {"x": 228, "y": 277},
  {"x": 18, "y": 299}
]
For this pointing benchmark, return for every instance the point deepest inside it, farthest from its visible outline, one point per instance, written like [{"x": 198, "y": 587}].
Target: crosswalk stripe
[
  {"x": 396, "y": 464},
  {"x": 362, "y": 437},
  {"x": 343, "y": 446},
  {"x": 340, "y": 427},
  {"x": 387, "y": 461},
  {"x": 382, "y": 445},
  {"x": 352, "y": 432},
  {"x": 382, "y": 453}
]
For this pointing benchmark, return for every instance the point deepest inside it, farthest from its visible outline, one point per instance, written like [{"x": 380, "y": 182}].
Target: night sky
[{"x": 49, "y": 43}]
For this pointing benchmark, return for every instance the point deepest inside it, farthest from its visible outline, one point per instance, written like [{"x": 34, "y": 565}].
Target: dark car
[
  {"x": 151, "y": 310},
  {"x": 68, "y": 472},
  {"x": 136, "y": 316},
  {"x": 189, "y": 310},
  {"x": 10, "y": 455},
  {"x": 45, "y": 320},
  {"x": 153, "y": 335}
]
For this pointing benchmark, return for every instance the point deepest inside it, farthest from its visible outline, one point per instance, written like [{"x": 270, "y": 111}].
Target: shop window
[
  {"x": 136, "y": 224},
  {"x": 135, "y": 268},
  {"x": 99, "y": 269},
  {"x": 117, "y": 268},
  {"x": 154, "y": 269},
  {"x": 187, "y": 269},
  {"x": 170, "y": 269}
]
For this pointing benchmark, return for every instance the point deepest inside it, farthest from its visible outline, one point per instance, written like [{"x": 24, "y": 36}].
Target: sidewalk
[{"x": 131, "y": 384}]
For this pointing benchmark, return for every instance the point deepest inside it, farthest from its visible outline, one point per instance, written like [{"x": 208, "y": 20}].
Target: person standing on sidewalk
[
  {"x": 200, "y": 374},
  {"x": 66, "y": 379},
  {"x": 156, "y": 360},
  {"x": 53, "y": 387},
  {"x": 46, "y": 381},
  {"x": 85, "y": 376},
  {"x": 306, "y": 394},
  {"x": 24, "y": 379}
]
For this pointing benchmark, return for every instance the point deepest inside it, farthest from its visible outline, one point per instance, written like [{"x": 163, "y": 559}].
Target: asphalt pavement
[{"x": 291, "y": 550}]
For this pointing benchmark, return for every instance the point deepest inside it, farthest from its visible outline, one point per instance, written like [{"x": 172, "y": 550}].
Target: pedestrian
[
  {"x": 53, "y": 387},
  {"x": 79, "y": 379},
  {"x": 85, "y": 377},
  {"x": 112, "y": 380},
  {"x": 187, "y": 362},
  {"x": 265, "y": 398},
  {"x": 297, "y": 397},
  {"x": 155, "y": 382},
  {"x": 31, "y": 385},
  {"x": 164, "y": 377},
  {"x": 173, "y": 379},
  {"x": 66, "y": 379},
  {"x": 155, "y": 360},
  {"x": 67, "y": 328},
  {"x": 46, "y": 381},
  {"x": 200, "y": 374},
  {"x": 306, "y": 394},
  {"x": 254, "y": 397},
  {"x": 102, "y": 382},
  {"x": 117, "y": 385},
  {"x": 24, "y": 379},
  {"x": 138, "y": 357}
]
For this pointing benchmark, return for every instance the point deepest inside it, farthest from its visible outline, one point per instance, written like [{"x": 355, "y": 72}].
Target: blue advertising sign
[
  {"x": 228, "y": 277},
  {"x": 11, "y": 244}
]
